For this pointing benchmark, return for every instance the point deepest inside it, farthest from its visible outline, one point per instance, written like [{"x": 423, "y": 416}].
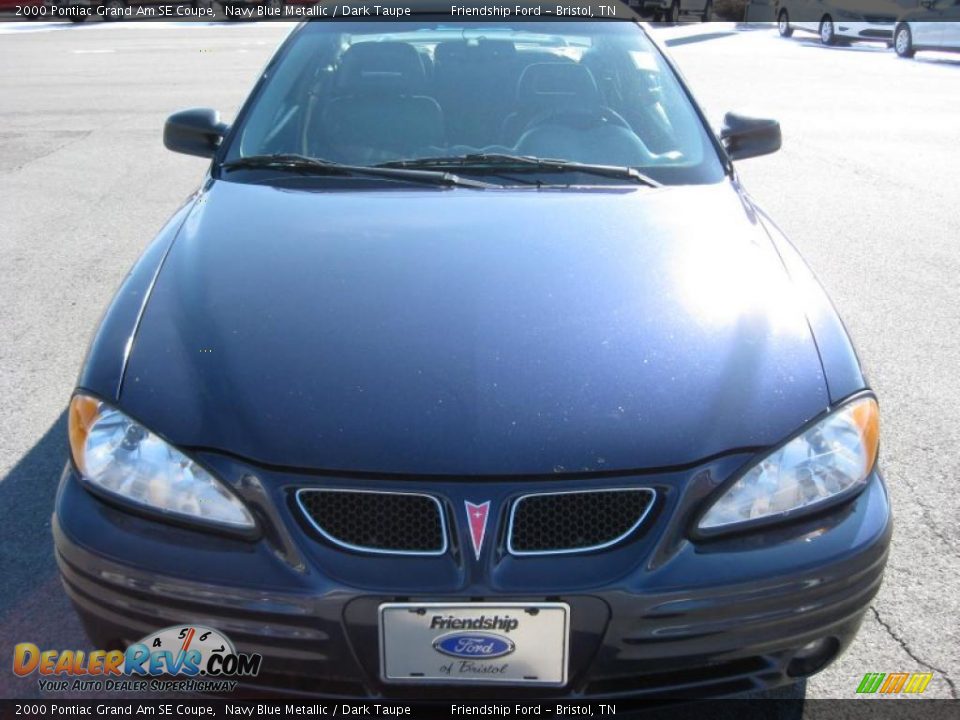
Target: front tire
[
  {"x": 783, "y": 25},
  {"x": 234, "y": 12},
  {"x": 673, "y": 14},
  {"x": 828, "y": 34},
  {"x": 114, "y": 6},
  {"x": 903, "y": 41}
]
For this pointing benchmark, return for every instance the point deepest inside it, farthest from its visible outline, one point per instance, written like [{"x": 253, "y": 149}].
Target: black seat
[
  {"x": 390, "y": 66},
  {"x": 561, "y": 114},
  {"x": 474, "y": 84},
  {"x": 377, "y": 111},
  {"x": 634, "y": 95},
  {"x": 548, "y": 87}
]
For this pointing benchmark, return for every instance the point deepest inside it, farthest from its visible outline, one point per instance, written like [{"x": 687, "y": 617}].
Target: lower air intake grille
[
  {"x": 378, "y": 522},
  {"x": 580, "y": 521}
]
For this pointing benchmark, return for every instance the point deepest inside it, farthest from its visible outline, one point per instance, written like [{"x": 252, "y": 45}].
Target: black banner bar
[
  {"x": 467, "y": 11},
  {"x": 133, "y": 709}
]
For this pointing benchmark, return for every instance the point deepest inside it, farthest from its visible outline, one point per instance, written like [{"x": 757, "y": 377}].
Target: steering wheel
[{"x": 578, "y": 118}]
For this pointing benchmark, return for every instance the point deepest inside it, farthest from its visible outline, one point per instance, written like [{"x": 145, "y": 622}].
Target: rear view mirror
[
  {"x": 746, "y": 137},
  {"x": 197, "y": 131}
]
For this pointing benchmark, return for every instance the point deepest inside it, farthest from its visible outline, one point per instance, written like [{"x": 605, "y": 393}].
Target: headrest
[
  {"x": 558, "y": 85},
  {"x": 381, "y": 67}
]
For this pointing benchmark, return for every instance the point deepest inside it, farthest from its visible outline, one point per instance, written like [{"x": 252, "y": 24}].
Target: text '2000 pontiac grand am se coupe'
[{"x": 470, "y": 369}]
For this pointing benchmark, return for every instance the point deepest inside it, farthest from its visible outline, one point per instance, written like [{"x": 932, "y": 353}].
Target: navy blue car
[{"x": 472, "y": 369}]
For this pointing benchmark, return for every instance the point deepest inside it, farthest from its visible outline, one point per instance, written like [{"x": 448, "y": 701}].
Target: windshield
[{"x": 366, "y": 94}]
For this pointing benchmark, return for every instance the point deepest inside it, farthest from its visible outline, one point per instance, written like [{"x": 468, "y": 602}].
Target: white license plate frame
[{"x": 421, "y": 643}]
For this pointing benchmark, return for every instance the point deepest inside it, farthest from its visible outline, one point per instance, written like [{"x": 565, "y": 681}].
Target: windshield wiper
[
  {"x": 498, "y": 162},
  {"x": 317, "y": 166}
]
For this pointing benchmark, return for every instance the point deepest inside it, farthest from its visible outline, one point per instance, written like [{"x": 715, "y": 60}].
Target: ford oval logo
[{"x": 473, "y": 645}]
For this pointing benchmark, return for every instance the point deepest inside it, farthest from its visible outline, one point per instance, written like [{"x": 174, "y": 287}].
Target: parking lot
[{"x": 863, "y": 186}]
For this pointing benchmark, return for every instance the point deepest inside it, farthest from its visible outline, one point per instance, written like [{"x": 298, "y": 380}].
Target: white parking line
[{"x": 15, "y": 28}]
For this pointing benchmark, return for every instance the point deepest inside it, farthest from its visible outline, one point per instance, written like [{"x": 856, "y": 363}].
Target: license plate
[{"x": 467, "y": 643}]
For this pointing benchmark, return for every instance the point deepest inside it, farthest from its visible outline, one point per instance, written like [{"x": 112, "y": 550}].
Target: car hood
[{"x": 463, "y": 332}]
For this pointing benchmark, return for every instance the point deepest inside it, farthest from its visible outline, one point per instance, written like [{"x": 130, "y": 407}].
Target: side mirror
[
  {"x": 197, "y": 131},
  {"x": 747, "y": 137}
]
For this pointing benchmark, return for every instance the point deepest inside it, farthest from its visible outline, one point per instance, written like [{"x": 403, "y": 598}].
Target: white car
[
  {"x": 935, "y": 26},
  {"x": 835, "y": 23}
]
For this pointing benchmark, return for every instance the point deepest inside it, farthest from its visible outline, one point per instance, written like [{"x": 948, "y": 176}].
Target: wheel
[
  {"x": 234, "y": 12},
  {"x": 113, "y": 10},
  {"x": 783, "y": 24},
  {"x": 903, "y": 41},
  {"x": 828, "y": 35},
  {"x": 673, "y": 14},
  {"x": 707, "y": 11}
]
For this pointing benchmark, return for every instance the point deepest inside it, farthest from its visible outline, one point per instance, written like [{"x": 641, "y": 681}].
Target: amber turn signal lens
[
  {"x": 81, "y": 417},
  {"x": 829, "y": 460},
  {"x": 866, "y": 415}
]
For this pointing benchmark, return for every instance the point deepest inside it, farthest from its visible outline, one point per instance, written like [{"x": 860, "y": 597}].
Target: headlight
[
  {"x": 830, "y": 459},
  {"x": 116, "y": 455}
]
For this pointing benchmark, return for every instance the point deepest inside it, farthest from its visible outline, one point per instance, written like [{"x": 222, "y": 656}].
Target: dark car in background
[
  {"x": 673, "y": 10},
  {"x": 13, "y": 5},
  {"x": 472, "y": 366}
]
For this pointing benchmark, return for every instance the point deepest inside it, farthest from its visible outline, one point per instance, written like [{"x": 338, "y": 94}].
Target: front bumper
[
  {"x": 661, "y": 616},
  {"x": 865, "y": 30}
]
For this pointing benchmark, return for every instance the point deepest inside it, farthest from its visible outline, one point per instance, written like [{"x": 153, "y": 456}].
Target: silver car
[
  {"x": 933, "y": 26},
  {"x": 835, "y": 21}
]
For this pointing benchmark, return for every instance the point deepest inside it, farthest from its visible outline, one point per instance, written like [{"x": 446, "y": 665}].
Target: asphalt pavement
[{"x": 863, "y": 186}]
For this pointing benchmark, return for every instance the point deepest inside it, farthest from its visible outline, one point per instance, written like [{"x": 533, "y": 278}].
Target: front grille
[
  {"x": 374, "y": 521},
  {"x": 579, "y": 521}
]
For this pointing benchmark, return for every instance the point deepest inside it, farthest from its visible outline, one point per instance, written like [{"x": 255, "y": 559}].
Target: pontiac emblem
[{"x": 477, "y": 517}]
